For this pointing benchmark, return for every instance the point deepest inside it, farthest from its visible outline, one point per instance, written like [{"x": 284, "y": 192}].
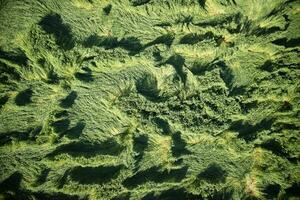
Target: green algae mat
[{"x": 149, "y": 99}]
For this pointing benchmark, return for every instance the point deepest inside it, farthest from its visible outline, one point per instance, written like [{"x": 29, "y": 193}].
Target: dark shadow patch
[
  {"x": 278, "y": 9},
  {"x": 246, "y": 107},
  {"x": 131, "y": 44},
  {"x": 224, "y": 194},
  {"x": 3, "y": 100},
  {"x": 237, "y": 91},
  {"x": 178, "y": 194},
  {"x": 124, "y": 196},
  {"x": 226, "y": 75},
  {"x": 34, "y": 132},
  {"x": 274, "y": 146},
  {"x": 106, "y": 42},
  {"x": 62, "y": 113},
  {"x": 221, "y": 40},
  {"x": 271, "y": 191},
  {"x": 86, "y": 69},
  {"x": 149, "y": 196},
  {"x": 177, "y": 61},
  {"x": 268, "y": 66},
  {"x": 213, "y": 105},
  {"x": 163, "y": 24},
  {"x": 8, "y": 73},
  {"x": 139, "y": 2},
  {"x": 61, "y": 126},
  {"x": 145, "y": 114},
  {"x": 224, "y": 21},
  {"x": 153, "y": 174},
  {"x": 279, "y": 126},
  {"x": 163, "y": 125},
  {"x": 12, "y": 183},
  {"x": 248, "y": 131},
  {"x": 75, "y": 131},
  {"x": 194, "y": 38},
  {"x": 286, "y": 107},
  {"x": 107, "y": 9},
  {"x": 86, "y": 149},
  {"x": 293, "y": 191},
  {"x": 178, "y": 161},
  {"x": 89, "y": 58},
  {"x": 199, "y": 67},
  {"x": 61, "y": 181},
  {"x": 12, "y": 190},
  {"x": 42, "y": 178},
  {"x": 24, "y": 97},
  {"x": 56, "y": 196},
  {"x": 85, "y": 77},
  {"x": 28, "y": 135},
  {"x": 94, "y": 175},
  {"x": 284, "y": 74},
  {"x": 259, "y": 31},
  {"x": 52, "y": 77},
  {"x": 18, "y": 195},
  {"x": 26, "y": 195},
  {"x": 179, "y": 145},
  {"x": 69, "y": 100},
  {"x": 213, "y": 174},
  {"x": 139, "y": 146},
  {"x": 185, "y": 20},
  {"x": 202, "y": 3},
  {"x": 287, "y": 43},
  {"x": 53, "y": 24},
  {"x": 242, "y": 24},
  {"x": 157, "y": 56},
  {"x": 191, "y": 38},
  {"x": 172, "y": 194},
  {"x": 176, "y": 106},
  {"x": 147, "y": 86},
  {"x": 18, "y": 57},
  {"x": 166, "y": 39}
]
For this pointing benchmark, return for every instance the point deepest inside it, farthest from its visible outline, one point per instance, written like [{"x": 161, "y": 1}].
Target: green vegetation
[{"x": 149, "y": 99}]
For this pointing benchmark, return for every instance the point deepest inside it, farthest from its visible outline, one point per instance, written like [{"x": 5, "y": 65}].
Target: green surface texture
[{"x": 149, "y": 99}]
